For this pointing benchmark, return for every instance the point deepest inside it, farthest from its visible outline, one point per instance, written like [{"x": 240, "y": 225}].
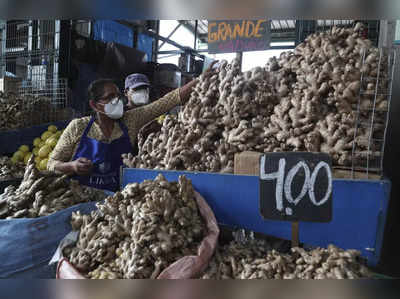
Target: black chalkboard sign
[
  {"x": 296, "y": 187},
  {"x": 229, "y": 36}
]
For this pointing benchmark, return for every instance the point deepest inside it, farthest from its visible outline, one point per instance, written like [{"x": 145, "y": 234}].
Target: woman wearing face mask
[
  {"x": 137, "y": 90},
  {"x": 90, "y": 148}
]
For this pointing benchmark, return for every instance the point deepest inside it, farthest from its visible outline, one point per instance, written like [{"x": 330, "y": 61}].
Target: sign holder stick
[{"x": 295, "y": 234}]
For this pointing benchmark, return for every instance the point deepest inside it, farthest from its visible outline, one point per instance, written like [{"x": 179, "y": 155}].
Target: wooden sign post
[{"x": 296, "y": 187}]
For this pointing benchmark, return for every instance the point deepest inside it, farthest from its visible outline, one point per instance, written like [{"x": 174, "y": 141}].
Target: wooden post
[
  {"x": 295, "y": 234},
  {"x": 239, "y": 56}
]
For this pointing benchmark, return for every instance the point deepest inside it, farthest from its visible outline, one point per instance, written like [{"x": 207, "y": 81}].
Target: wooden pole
[
  {"x": 239, "y": 56},
  {"x": 295, "y": 234}
]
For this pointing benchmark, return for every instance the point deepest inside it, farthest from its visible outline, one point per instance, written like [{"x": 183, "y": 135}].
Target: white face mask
[
  {"x": 114, "y": 109},
  {"x": 139, "y": 97}
]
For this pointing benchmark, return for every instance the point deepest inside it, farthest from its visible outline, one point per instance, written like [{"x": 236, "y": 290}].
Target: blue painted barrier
[{"x": 359, "y": 209}]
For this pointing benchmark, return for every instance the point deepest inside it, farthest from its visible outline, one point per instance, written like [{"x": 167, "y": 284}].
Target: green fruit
[
  {"x": 14, "y": 160},
  {"x": 43, "y": 164},
  {"x": 24, "y": 148},
  {"x": 18, "y": 155},
  {"x": 35, "y": 151},
  {"x": 37, "y": 141},
  {"x": 52, "y": 129},
  {"x": 46, "y": 135},
  {"x": 37, "y": 160},
  {"x": 44, "y": 151},
  {"x": 52, "y": 141},
  {"x": 27, "y": 157}
]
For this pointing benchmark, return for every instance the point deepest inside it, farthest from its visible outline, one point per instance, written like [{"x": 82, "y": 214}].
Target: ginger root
[
  {"x": 138, "y": 232},
  {"x": 305, "y": 100},
  {"x": 42, "y": 194},
  {"x": 257, "y": 260}
]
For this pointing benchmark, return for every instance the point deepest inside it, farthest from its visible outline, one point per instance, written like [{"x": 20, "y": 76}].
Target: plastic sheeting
[
  {"x": 145, "y": 44},
  {"x": 27, "y": 245},
  {"x": 112, "y": 31}
]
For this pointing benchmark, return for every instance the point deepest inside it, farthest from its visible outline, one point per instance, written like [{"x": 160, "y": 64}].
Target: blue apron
[{"x": 106, "y": 159}]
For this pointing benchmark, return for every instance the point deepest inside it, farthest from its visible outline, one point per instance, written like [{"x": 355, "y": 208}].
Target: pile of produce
[
  {"x": 10, "y": 170},
  {"x": 255, "y": 260},
  {"x": 41, "y": 194},
  {"x": 138, "y": 232},
  {"x": 305, "y": 100},
  {"x": 41, "y": 150},
  {"x": 18, "y": 111}
]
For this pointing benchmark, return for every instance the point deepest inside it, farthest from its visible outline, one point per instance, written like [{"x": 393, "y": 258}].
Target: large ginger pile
[
  {"x": 255, "y": 260},
  {"x": 138, "y": 232},
  {"x": 20, "y": 111},
  {"x": 305, "y": 100},
  {"x": 41, "y": 194}
]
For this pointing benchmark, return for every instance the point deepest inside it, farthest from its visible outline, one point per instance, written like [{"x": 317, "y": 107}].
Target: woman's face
[
  {"x": 110, "y": 92},
  {"x": 138, "y": 96}
]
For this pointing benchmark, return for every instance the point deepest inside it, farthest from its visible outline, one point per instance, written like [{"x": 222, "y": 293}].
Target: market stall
[{"x": 291, "y": 151}]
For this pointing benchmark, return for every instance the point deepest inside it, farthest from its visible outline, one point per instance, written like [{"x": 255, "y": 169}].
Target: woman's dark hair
[{"x": 96, "y": 88}]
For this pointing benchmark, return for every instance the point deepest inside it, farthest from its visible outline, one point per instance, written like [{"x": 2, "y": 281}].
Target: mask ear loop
[{"x": 98, "y": 111}]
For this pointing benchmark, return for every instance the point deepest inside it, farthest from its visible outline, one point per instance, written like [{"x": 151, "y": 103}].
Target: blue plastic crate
[{"x": 11, "y": 140}]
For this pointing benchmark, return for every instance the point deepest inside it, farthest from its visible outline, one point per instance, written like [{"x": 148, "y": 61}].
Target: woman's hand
[
  {"x": 82, "y": 166},
  {"x": 210, "y": 70},
  {"x": 186, "y": 90}
]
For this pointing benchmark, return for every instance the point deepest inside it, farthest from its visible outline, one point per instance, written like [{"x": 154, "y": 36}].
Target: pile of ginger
[{"x": 306, "y": 100}]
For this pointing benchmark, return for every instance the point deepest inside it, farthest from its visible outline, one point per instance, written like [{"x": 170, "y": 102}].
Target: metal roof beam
[
  {"x": 171, "y": 42},
  {"x": 171, "y": 34}
]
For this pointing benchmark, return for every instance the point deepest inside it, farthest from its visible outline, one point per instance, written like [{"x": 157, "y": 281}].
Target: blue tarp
[
  {"x": 145, "y": 44},
  {"x": 27, "y": 245},
  {"x": 111, "y": 31}
]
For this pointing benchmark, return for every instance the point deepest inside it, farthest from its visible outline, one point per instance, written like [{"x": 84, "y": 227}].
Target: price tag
[{"x": 296, "y": 187}]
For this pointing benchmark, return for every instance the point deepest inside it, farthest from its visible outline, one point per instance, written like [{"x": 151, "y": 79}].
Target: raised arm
[
  {"x": 186, "y": 90},
  {"x": 180, "y": 96},
  {"x": 142, "y": 115}
]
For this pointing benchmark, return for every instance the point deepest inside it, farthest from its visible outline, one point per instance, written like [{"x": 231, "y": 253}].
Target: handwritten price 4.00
[{"x": 285, "y": 185}]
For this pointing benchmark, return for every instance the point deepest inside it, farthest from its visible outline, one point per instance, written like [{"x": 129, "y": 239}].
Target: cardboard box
[{"x": 247, "y": 163}]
